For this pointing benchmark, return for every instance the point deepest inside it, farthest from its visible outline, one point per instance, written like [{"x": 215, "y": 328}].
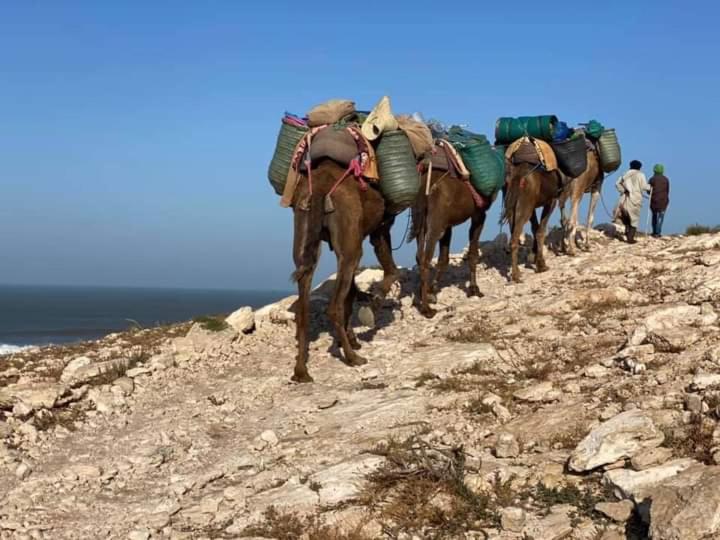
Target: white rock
[
  {"x": 139, "y": 534},
  {"x": 542, "y": 392},
  {"x": 617, "y": 511},
  {"x": 705, "y": 380},
  {"x": 687, "y": 506},
  {"x": 637, "y": 485},
  {"x": 23, "y": 471},
  {"x": 269, "y": 437},
  {"x": 513, "y": 519},
  {"x": 622, "y": 436},
  {"x": 125, "y": 384},
  {"x": 242, "y": 320},
  {"x": 73, "y": 366},
  {"x": 507, "y": 446}
]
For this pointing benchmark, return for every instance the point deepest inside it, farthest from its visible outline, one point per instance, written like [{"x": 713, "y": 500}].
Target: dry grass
[
  {"x": 64, "y": 417},
  {"x": 421, "y": 490},
  {"x": 480, "y": 332},
  {"x": 292, "y": 526},
  {"x": 694, "y": 440},
  {"x": 424, "y": 378},
  {"x": 697, "y": 229}
]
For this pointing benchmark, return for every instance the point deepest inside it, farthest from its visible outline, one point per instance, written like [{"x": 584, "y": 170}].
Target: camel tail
[
  {"x": 308, "y": 228},
  {"x": 511, "y": 199}
]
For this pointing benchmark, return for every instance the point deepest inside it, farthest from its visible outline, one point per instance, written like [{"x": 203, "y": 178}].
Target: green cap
[{"x": 658, "y": 168}]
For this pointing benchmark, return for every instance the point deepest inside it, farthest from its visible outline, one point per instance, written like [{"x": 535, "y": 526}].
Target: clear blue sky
[{"x": 136, "y": 136}]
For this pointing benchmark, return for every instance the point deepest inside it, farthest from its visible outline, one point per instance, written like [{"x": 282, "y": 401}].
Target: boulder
[
  {"x": 542, "y": 392},
  {"x": 674, "y": 339},
  {"x": 617, "y": 511},
  {"x": 242, "y": 320},
  {"x": 687, "y": 506},
  {"x": 507, "y": 446},
  {"x": 637, "y": 485},
  {"x": 622, "y": 436}
]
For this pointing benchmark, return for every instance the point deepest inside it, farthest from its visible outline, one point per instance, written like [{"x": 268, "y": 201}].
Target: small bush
[
  {"x": 211, "y": 324},
  {"x": 696, "y": 229}
]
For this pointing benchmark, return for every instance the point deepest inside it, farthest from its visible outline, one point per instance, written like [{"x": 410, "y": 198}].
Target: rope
[{"x": 407, "y": 228}]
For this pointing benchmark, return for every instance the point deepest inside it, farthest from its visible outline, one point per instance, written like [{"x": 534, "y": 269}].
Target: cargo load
[
  {"x": 571, "y": 156},
  {"x": 399, "y": 178},
  {"x": 508, "y": 130},
  {"x": 609, "y": 150},
  {"x": 486, "y": 166},
  {"x": 291, "y": 133}
]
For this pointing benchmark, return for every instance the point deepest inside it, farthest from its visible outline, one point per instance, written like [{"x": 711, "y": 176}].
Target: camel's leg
[
  {"x": 476, "y": 227},
  {"x": 443, "y": 258},
  {"x": 521, "y": 216},
  {"x": 594, "y": 197},
  {"x": 432, "y": 236},
  {"x": 302, "y": 314},
  {"x": 541, "y": 231},
  {"x": 534, "y": 226},
  {"x": 381, "y": 242},
  {"x": 348, "y": 310},
  {"x": 571, "y": 228},
  {"x": 348, "y": 260}
]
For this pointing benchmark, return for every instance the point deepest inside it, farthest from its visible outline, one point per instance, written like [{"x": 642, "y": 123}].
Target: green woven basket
[
  {"x": 287, "y": 140},
  {"x": 399, "y": 179}
]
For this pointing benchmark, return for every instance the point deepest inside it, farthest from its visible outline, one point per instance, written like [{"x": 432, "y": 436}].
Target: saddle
[
  {"x": 331, "y": 143},
  {"x": 532, "y": 151}
]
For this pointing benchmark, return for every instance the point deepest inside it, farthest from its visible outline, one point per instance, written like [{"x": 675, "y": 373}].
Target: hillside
[{"x": 582, "y": 403}]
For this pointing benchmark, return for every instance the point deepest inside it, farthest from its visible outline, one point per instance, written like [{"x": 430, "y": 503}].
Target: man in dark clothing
[{"x": 660, "y": 198}]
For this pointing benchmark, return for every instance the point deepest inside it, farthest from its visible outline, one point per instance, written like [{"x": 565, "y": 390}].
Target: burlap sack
[
  {"x": 330, "y": 112},
  {"x": 380, "y": 119},
  {"x": 418, "y": 133}
]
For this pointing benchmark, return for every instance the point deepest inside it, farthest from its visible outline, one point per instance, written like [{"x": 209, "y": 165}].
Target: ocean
[{"x": 32, "y": 315}]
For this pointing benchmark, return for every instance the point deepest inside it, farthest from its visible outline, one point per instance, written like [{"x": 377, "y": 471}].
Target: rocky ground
[{"x": 582, "y": 403}]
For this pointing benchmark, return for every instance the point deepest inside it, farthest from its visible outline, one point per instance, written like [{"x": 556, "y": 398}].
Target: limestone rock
[
  {"x": 507, "y": 446},
  {"x": 687, "y": 506},
  {"x": 513, "y": 519},
  {"x": 622, "y": 436},
  {"x": 637, "y": 485},
  {"x": 542, "y": 392},
  {"x": 650, "y": 458},
  {"x": 242, "y": 320},
  {"x": 617, "y": 511},
  {"x": 674, "y": 339}
]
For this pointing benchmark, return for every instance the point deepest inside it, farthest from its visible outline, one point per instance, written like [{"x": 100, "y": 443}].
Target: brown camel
[
  {"x": 357, "y": 213},
  {"x": 448, "y": 204},
  {"x": 589, "y": 181},
  {"x": 528, "y": 188}
]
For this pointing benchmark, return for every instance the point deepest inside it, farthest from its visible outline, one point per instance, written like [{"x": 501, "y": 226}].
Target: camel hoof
[
  {"x": 356, "y": 360},
  {"x": 355, "y": 344},
  {"x": 571, "y": 253},
  {"x": 302, "y": 378},
  {"x": 541, "y": 268},
  {"x": 516, "y": 278},
  {"x": 428, "y": 312},
  {"x": 474, "y": 290}
]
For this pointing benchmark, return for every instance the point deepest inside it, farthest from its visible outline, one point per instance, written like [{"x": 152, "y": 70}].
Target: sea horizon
[{"x": 41, "y": 315}]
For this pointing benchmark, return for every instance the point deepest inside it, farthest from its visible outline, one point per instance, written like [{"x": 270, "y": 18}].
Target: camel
[
  {"x": 589, "y": 181},
  {"x": 357, "y": 212},
  {"x": 448, "y": 204},
  {"x": 529, "y": 187}
]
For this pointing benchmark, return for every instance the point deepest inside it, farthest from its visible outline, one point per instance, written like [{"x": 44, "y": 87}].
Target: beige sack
[
  {"x": 330, "y": 112},
  {"x": 418, "y": 133},
  {"x": 380, "y": 119}
]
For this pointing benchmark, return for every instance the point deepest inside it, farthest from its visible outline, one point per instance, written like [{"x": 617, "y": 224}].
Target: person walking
[
  {"x": 660, "y": 198},
  {"x": 631, "y": 187}
]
